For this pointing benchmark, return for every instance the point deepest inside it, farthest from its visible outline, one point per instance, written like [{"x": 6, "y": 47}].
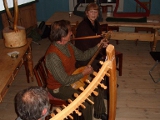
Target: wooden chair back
[
  {"x": 40, "y": 72},
  {"x": 74, "y": 30}
]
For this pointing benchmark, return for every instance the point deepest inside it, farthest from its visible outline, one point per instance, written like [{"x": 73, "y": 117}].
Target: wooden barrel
[{"x": 14, "y": 39}]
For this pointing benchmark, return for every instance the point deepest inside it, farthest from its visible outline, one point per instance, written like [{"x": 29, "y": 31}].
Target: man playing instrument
[{"x": 60, "y": 61}]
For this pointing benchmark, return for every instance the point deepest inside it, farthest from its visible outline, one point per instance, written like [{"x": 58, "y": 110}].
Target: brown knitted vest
[{"x": 52, "y": 83}]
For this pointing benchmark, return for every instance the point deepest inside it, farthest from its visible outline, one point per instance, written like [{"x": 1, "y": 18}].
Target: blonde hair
[{"x": 92, "y": 6}]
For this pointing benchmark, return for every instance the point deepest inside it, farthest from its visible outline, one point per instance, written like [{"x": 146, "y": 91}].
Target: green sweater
[{"x": 54, "y": 63}]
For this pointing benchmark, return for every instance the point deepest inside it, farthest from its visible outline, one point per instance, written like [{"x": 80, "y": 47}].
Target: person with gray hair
[
  {"x": 60, "y": 59},
  {"x": 32, "y": 103}
]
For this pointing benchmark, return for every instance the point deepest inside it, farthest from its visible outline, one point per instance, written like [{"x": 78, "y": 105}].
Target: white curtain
[{"x": 10, "y": 3}]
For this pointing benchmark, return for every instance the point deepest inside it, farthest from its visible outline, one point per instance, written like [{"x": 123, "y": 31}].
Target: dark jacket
[{"x": 85, "y": 28}]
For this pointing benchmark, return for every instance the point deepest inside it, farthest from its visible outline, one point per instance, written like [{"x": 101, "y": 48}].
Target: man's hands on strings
[
  {"x": 87, "y": 70},
  {"x": 104, "y": 42}
]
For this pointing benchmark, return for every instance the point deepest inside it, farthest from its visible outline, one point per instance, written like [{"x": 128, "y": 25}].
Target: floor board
[{"x": 138, "y": 97}]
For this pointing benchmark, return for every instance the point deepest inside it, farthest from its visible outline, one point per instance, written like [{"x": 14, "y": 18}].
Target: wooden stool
[{"x": 119, "y": 58}]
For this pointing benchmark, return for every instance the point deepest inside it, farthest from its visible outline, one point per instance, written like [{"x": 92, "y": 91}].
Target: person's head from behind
[
  {"x": 61, "y": 31},
  {"x": 92, "y": 11},
  {"x": 32, "y": 103}
]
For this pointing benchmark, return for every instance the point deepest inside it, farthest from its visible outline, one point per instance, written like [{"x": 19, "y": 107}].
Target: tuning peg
[
  {"x": 76, "y": 111},
  {"x": 103, "y": 86},
  {"x": 101, "y": 62},
  {"x": 107, "y": 74},
  {"x": 58, "y": 110},
  {"x": 95, "y": 93},
  {"x": 90, "y": 101},
  {"x": 83, "y": 106},
  {"x": 52, "y": 114},
  {"x": 69, "y": 100},
  {"x": 82, "y": 89},
  {"x": 68, "y": 115},
  {"x": 63, "y": 106},
  {"x": 95, "y": 73},
  {"x": 87, "y": 81}
]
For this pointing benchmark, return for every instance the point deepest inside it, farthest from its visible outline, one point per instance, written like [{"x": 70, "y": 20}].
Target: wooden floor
[{"x": 138, "y": 97}]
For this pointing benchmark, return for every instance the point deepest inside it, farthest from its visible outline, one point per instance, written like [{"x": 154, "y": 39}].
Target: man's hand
[
  {"x": 105, "y": 43},
  {"x": 88, "y": 70}
]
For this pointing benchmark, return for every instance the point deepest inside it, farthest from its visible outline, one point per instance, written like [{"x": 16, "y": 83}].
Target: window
[
  {"x": 108, "y": 1},
  {"x": 102, "y": 1},
  {"x": 10, "y": 3},
  {"x": 73, "y": 3}
]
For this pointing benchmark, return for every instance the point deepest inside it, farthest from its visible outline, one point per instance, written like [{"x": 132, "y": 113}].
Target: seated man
[
  {"x": 60, "y": 61},
  {"x": 32, "y": 104}
]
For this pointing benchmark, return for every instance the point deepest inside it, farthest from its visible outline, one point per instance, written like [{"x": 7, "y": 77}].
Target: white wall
[{"x": 10, "y": 3}]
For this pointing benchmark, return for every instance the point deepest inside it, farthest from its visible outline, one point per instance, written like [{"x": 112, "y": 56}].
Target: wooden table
[
  {"x": 153, "y": 22},
  {"x": 151, "y": 37},
  {"x": 9, "y": 67},
  {"x": 63, "y": 15}
]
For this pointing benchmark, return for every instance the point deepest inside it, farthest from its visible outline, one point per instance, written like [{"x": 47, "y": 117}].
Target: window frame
[{"x": 73, "y": 3}]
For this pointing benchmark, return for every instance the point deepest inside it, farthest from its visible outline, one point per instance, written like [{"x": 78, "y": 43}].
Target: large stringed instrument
[
  {"x": 108, "y": 68},
  {"x": 131, "y": 14},
  {"x": 81, "y": 82}
]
